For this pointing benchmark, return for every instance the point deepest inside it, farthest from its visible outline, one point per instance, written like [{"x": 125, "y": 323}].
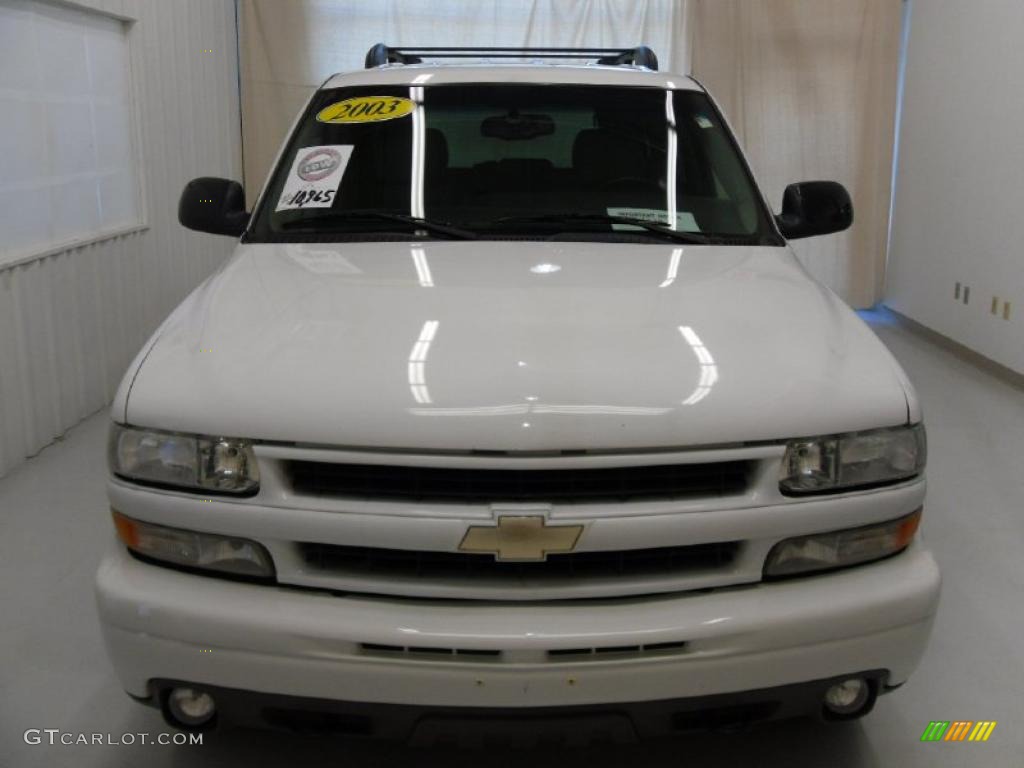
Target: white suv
[{"x": 514, "y": 407}]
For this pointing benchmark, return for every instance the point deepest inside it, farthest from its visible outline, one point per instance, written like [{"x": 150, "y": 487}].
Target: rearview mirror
[
  {"x": 213, "y": 205},
  {"x": 814, "y": 208},
  {"x": 516, "y": 127}
]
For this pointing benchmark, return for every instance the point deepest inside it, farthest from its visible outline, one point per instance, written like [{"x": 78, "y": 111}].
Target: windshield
[{"x": 462, "y": 161}]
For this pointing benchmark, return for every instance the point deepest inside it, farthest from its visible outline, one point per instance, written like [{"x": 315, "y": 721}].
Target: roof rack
[{"x": 641, "y": 56}]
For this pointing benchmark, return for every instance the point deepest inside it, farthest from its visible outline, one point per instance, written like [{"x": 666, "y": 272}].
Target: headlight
[
  {"x": 838, "y": 549},
  {"x": 854, "y": 460},
  {"x": 191, "y": 549},
  {"x": 193, "y": 462}
]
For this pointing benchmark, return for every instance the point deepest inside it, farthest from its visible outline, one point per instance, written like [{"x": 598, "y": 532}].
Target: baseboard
[{"x": 987, "y": 364}]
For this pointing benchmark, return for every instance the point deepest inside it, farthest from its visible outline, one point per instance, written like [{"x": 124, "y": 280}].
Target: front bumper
[
  {"x": 161, "y": 624},
  {"x": 476, "y": 726}
]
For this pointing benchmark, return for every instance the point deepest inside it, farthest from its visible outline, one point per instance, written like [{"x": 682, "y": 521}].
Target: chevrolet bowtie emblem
[{"x": 523, "y": 539}]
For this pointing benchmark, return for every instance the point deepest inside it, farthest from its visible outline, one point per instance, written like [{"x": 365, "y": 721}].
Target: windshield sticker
[
  {"x": 685, "y": 221},
  {"x": 366, "y": 109},
  {"x": 315, "y": 177},
  {"x": 703, "y": 122}
]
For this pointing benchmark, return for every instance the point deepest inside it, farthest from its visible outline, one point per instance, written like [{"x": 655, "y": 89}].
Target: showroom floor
[{"x": 53, "y": 529}]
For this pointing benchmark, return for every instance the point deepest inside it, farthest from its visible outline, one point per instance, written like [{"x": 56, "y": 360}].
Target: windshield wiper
[
  {"x": 437, "y": 227},
  {"x": 602, "y": 218}
]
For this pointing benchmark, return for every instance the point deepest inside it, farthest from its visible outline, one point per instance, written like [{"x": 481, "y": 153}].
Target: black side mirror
[
  {"x": 815, "y": 208},
  {"x": 213, "y": 205}
]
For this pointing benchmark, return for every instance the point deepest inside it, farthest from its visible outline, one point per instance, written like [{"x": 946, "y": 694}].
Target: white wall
[
  {"x": 71, "y": 320},
  {"x": 959, "y": 203},
  {"x": 66, "y": 98}
]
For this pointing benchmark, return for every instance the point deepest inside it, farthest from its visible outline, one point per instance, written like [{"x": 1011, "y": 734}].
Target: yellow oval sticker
[{"x": 366, "y": 109}]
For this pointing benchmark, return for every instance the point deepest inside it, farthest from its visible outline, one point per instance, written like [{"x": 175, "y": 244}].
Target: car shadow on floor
[{"x": 792, "y": 744}]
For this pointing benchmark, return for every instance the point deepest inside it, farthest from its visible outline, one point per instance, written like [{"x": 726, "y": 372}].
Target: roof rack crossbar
[{"x": 381, "y": 54}]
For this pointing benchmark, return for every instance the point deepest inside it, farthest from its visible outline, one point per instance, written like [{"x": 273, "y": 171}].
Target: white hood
[{"x": 513, "y": 346}]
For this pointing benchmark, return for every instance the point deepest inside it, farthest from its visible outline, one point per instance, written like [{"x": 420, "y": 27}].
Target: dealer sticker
[
  {"x": 366, "y": 109},
  {"x": 315, "y": 177},
  {"x": 685, "y": 221}
]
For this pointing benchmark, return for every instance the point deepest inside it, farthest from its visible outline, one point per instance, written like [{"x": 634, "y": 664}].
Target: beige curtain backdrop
[
  {"x": 289, "y": 47},
  {"x": 809, "y": 85}
]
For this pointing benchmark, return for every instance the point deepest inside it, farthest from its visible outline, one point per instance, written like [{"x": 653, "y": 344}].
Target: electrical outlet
[{"x": 995, "y": 307}]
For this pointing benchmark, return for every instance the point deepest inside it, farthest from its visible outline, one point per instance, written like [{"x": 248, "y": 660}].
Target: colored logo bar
[{"x": 958, "y": 730}]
